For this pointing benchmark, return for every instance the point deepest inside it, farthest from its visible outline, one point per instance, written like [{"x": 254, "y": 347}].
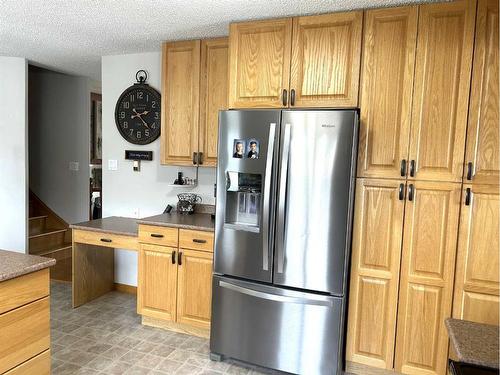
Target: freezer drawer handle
[
  {"x": 267, "y": 198},
  {"x": 196, "y": 240},
  {"x": 316, "y": 300}
]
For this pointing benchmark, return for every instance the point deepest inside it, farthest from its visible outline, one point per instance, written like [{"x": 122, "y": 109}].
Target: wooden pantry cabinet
[
  {"x": 482, "y": 157},
  {"x": 194, "y": 86},
  {"x": 477, "y": 281},
  {"x": 175, "y": 280},
  {"x": 310, "y": 61}
]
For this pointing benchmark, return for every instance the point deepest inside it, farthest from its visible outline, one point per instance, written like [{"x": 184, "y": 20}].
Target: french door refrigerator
[{"x": 285, "y": 188}]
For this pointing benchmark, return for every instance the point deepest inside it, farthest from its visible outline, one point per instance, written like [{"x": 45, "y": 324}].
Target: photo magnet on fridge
[
  {"x": 253, "y": 149},
  {"x": 239, "y": 148}
]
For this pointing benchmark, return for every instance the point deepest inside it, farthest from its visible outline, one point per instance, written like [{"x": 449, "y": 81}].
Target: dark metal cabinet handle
[
  {"x": 173, "y": 257},
  {"x": 412, "y": 168},
  {"x": 401, "y": 192},
  {"x": 156, "y": 235},
  {"x": 292, "y": 97},
  {"x": 106, "y": 240},
  {"x": 200, "y": 158},
  {"x": 285, "y": 97},
  {"x": 195, "y": 157},
  {"x": 403, "y": 168},
  {"x": 411, "y": 192},
  {"x": 196, "y": 240},
  {"x": 469, "y": 171},
  {"x": 467, "y": 196},
  {"x": 179, "y": 259}
]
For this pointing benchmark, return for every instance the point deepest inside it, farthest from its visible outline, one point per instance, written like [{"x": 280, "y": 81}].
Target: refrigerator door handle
[
  {"x": 267, "y": 197},
  {"x": 294, "y": 297},
  {"x": 282, "y": 198}
]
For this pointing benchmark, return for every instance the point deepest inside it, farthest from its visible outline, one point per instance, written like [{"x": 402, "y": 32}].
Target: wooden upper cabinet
[
  {"x": 427, "y": 275},
  {"x": 386, "y": 91},
  {"x": 477, "y": 282},
  {"x": 157, "y": 282},
  {"x": 194, "y": 289},
  {"x": 376, "y": 249},
  {"x": 483, "y": 146},
  {"x": 259, "y": 63},
  {"x": 213, "y": 95},
  {"x": 180, "y": 102},
  {"x": 326, "y": 54},
  {"x": 441, "y": 93}
]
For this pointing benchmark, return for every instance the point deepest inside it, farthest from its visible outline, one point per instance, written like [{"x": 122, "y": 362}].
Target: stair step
[
  {"x": 57, "y": 249},
  {"x": 47, "y": 232},
  {"x": 37, "y": 224},
  {"x": 48, "y": 239},
  {"x": 41, "y": 217}
]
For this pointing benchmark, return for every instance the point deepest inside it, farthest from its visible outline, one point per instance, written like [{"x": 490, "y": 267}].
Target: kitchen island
[{"x": 24, "y": 313}]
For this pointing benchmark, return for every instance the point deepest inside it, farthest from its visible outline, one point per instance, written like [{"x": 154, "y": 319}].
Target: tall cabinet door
[
  {"x": 483, "y": 146},
  {"x": 194, "y": 290},
  {"x": 427, "y": 271},
  {"x": 441, "y": 93},
  {"x": 213, "y": 98},
  {"x": 326, "y": 54},
  {"x": 386, "y": 91},
  {"x": 157, "y": 286},
  {"x": 376, "y": 249},
  {"x": 477, "y": 281},
  {"x": 259, "y": 63},
  {"x": 180, "y": 102}
]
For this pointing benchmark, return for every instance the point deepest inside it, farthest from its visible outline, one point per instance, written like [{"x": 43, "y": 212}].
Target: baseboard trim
[
  {"x": 176, "y": 327},
  {"x": 124, "y": 288}
]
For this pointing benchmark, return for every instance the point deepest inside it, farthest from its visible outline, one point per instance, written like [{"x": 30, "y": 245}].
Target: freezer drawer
[{"x": 272, "y": 327}]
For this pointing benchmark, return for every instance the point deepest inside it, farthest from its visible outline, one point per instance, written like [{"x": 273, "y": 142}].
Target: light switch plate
[
  {"x": 74, "y": 166},
  {"x": 112, "y": 165}
]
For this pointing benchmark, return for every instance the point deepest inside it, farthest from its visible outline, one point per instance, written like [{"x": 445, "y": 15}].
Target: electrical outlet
[
  {"x": 74, "y": 166},
  {"x": 137, "y": 213},
  {"x": 112, "y": 165}
]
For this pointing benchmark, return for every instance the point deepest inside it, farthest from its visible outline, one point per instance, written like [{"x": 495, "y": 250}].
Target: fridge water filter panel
[{"x": 243, "y": 200}]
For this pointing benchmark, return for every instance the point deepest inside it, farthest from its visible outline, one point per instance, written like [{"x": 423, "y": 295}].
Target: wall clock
[{"x": 138, "y": 112}]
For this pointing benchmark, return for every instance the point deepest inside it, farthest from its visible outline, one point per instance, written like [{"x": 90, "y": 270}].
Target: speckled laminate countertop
[
  {"x": 126, "y": 226},
  {"x": 196, "y": 221},
  {"x": 14, "y": 264},
  {"x": 474, "y": 343}
]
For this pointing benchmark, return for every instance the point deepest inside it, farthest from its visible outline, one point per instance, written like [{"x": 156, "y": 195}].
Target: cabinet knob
[
  {"x": 106, "y": 240},
  {"x": 173, "y": 257},
  {"x": 195, "y": 157},
  {"x": 469, "y": 171},
  {"x": 196, "y": 240},
  {"x": 412, "y": 168},
  {"x": 292, "y": 97},
  {"x": 401, "y": 191},
  {"x": 200, "y": 158},
  {"x": 156, "y": 235},
  {"x": 403, "y": 167},
  {"x": 179, "y": 259},
  {"x": 411, "y": 192},
  {"x": 467, "y": 196},
  {"x": 284, "y": 97}
]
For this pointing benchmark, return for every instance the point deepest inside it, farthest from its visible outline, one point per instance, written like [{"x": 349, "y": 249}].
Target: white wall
[
  {"x": 144, "y": 193},
  {"x": 59, "y": 108},
  {"x": 14, "y": 154}
]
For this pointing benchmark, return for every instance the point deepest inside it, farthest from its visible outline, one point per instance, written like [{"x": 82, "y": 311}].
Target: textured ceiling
[{"x": 72, "y": 35}]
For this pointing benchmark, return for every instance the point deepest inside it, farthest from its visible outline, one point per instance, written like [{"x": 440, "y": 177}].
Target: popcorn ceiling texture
[{"x": 72, "y": 35}]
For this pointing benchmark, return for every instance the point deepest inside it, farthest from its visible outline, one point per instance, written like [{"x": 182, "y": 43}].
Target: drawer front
[
  {"x": 39, "y": 365},
  {"x": 25, "y": 333},
  {"x": 105, "y": 239},
  {"x": 23, "y": 289},
  {"x": 196, "y": 240},
  {"x": 158, "y": 235}
]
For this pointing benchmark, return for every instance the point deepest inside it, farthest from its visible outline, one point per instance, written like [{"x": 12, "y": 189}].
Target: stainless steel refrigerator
[{"x": 285, "y": 188}]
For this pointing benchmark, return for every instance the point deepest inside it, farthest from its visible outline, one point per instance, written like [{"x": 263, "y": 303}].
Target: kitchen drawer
[
  {"x": 158, "y": 235},
  {"x": 105, "y": 239},
  {"x": 196, "y": 240},
  {"x": 23, "y": 289},
  {"x": 39, "y": 365},
  {"x": 25, "y": 333}
]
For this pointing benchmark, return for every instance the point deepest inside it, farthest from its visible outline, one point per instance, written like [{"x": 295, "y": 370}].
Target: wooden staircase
[{"x": 50, "y": 236}]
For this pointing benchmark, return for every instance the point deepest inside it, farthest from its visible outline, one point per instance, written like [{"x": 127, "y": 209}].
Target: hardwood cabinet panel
[
  {"x": 196, "y": 240},
  {"x": 483, "y": 145},
  {"x": 194, "y": 291},
  {"x": 441, "y": 93},
  {"x": 180, "y": 102},
  {"x": 25, "y": 332},
  {"x": 386, "y": 90},
  {"x": 23, "y": 289},
  {"x": 39, "y": 365},
  {"x": 213, "y": 95},
  {"x": 259, "y": 63},
  {"x": 427, "y": 275},
  {"x": 326, "y": 54},
  {"x": 376, "y": 249},
  {"x": 157, "y": 282},
  {"x": 157, "y": 235},
  {"x": 105, "y": 239},
  {"x": 477, "y": 272}
]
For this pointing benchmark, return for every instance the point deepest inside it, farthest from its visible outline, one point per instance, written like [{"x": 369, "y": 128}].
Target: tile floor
[{"x": 105, "y": 336}]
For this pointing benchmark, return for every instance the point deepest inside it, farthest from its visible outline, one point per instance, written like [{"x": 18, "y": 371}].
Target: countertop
[
  {"x": 126, "y": 226},
  {"x": 14, "y": 264},
  {"x": 474, "y": 343},
  {"x": 129, "y": 226},
  {"x": 196, "y": 221}
]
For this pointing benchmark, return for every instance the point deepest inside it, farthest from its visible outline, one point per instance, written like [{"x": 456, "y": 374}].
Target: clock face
[{"x": 137, "y": 114}]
